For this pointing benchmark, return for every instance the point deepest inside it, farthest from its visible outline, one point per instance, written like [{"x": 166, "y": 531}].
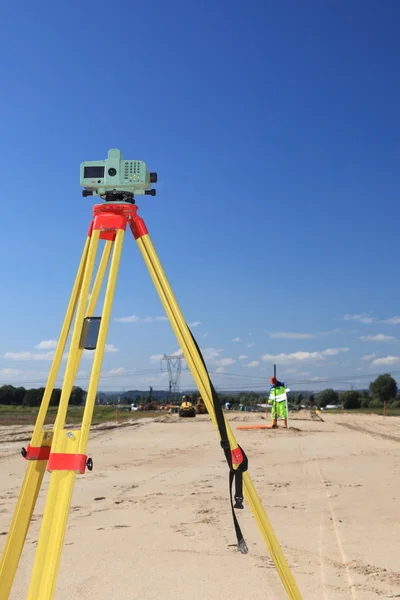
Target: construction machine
[
  {"x": 186, "y": 408},
  {"x": 200, "y": 407}
]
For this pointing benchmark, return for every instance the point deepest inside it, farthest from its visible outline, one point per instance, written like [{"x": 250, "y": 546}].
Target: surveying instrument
[{"x": 63, "y": 451}]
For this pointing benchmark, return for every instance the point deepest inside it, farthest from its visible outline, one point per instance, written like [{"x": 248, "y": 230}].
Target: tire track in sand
[
  {"x": 336, "y": 528},
  {"x": 306, "y": 464}
]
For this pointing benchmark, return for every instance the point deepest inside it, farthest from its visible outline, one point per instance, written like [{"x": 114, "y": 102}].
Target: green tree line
[
  {"x": 383, "y": 389},
  {"x": 19, "y": 396}
]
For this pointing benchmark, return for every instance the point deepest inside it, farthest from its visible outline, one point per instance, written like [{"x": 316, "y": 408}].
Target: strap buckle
[
  {"x": 225, "y": 444},
  {"x": 238, "y": 502}
]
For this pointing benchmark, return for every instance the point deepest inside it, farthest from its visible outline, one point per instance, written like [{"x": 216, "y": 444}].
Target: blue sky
[{"x": 275, "y": 132}]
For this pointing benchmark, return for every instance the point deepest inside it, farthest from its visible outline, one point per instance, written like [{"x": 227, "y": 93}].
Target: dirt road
[{"x": 152, "y": 520}]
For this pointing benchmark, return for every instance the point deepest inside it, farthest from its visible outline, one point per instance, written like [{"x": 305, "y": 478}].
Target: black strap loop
[{"x": 235, "y": 475}]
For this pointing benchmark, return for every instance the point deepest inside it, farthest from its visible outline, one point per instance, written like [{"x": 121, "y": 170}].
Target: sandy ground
[{"x": 152, "y": 520}]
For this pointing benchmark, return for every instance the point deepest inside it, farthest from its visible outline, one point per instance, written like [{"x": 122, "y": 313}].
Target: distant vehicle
[
  {"x": 331, "y": 406},
  {"x": 134, "y": 407},
  {"x": 186, "y": 408}
]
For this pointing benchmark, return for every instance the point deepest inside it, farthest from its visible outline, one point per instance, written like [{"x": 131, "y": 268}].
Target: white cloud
[
  {"x": 368, "y": 357},
  {"x": 361, "y": 318},
  {"x": 386, "y": 360},
  {"x": 334, "y": 351},
  {"x": 117, "y": 371},
  {"x": 48, "y": 356},
  {"x": 18, "y": 376},
  {"x": 250, "y": 345},
  {"x": 178, "y": 352},
  {"x": 110, "y": 348},
  {"x": 302, "y": 356},
  {"x": 366, "y": 318},
  {"x": 195, "y": 324},
  {"x": 90, "y": 353},
  {"x": 392, "y": 321},
  {"x": 220, "y": 370},
  {"x": 47, "y": 345},
  {"x": 211, "y": 353},
  {"x": 243, "y": 357},
  {"x": 131, "y": 319},
  {"x": 156, "y": 357},
  {"x": 10, "y": 372},
  {"x": 225, "y": 362},
  {"x": 253, "y": 363},
  {"x": 296, "y": 372},
  {"x": 206, "y": 334},
  {"x": 292, "y": 357},
  {"x": 136, "y": 319},
  {"x": 292, "y": 336},
  {"x": 379, "y": 337},
  {"x": 29, "y": 355},
  {"x": 82, "y": 373},
  {"x": 236, "y": 339}
]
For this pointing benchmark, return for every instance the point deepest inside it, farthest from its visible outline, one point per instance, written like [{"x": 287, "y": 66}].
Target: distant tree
[
  {"x": 11, "y": 396},
  {"x": 311, "y": 400},
  {"x": 246, "y": 398},
  {"x": 328, "y": 396},
  {"x": 375, "y": 403},
  {"x": 351, "y": 399},
  {"x": 77, "y": 396},
  {"x": 384, "y": 388},
  {"x": 55, "y": 397},
  {"x": 19, "y": 395},
  {"x": 33, "y": 397},
  {"x": 365, "y": 399}
]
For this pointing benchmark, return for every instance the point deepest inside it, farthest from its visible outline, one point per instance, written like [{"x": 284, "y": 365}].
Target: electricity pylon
[{"x": 174, "y": 366}]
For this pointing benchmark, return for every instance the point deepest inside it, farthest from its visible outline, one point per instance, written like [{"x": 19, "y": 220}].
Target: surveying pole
[{"x": 63, "y": 451}]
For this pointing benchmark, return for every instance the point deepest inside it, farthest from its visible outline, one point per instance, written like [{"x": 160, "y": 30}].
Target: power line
[{"x": 258, "y": 380}]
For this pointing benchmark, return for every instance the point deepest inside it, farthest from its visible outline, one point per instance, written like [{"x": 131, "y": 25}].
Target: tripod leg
[
  {"x": 200, "y": 376},
  {"x": 94, "y": 296},
  {"x": 37, "y": 452},
  {"x": 68, "y": 451},
  {"x": 101, "y": 342}
]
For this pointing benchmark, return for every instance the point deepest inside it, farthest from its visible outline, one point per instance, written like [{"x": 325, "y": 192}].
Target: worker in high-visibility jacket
[{"x": 277, "y": 397}]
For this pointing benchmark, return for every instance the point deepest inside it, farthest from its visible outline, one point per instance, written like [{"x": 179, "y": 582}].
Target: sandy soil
[{"x": 152, "y": 520}]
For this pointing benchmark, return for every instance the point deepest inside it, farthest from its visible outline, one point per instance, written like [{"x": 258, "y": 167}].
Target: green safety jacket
[{"x": 278, "y": 394}]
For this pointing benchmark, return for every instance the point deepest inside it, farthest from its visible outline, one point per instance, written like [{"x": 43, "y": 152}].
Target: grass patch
[{"x": 26, "y": 415}]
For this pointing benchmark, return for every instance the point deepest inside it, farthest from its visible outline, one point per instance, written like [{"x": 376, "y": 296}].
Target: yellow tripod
[{"x": 62, "y": 451}]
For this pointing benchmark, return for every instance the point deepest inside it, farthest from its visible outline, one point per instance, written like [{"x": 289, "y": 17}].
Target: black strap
[{"x": 235, "y": 475}]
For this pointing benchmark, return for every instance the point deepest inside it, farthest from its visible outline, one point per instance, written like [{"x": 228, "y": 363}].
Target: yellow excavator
[
  {"x": 186, "y": 408},
  {"x": 200, "y": 407}
]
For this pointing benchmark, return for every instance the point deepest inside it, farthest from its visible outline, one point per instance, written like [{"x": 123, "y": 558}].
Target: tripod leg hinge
[
  {"x": 67, "y": 462},
  {"x": 36, "y": 453},
  {"x": 138, "y": 227}
]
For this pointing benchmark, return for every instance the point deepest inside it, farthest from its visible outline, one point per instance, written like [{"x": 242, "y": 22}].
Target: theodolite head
[{"x": 116, "y": 179}]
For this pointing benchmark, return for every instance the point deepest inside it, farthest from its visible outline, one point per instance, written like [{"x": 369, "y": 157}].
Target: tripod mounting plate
[{"x": 118, "y": 196}]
